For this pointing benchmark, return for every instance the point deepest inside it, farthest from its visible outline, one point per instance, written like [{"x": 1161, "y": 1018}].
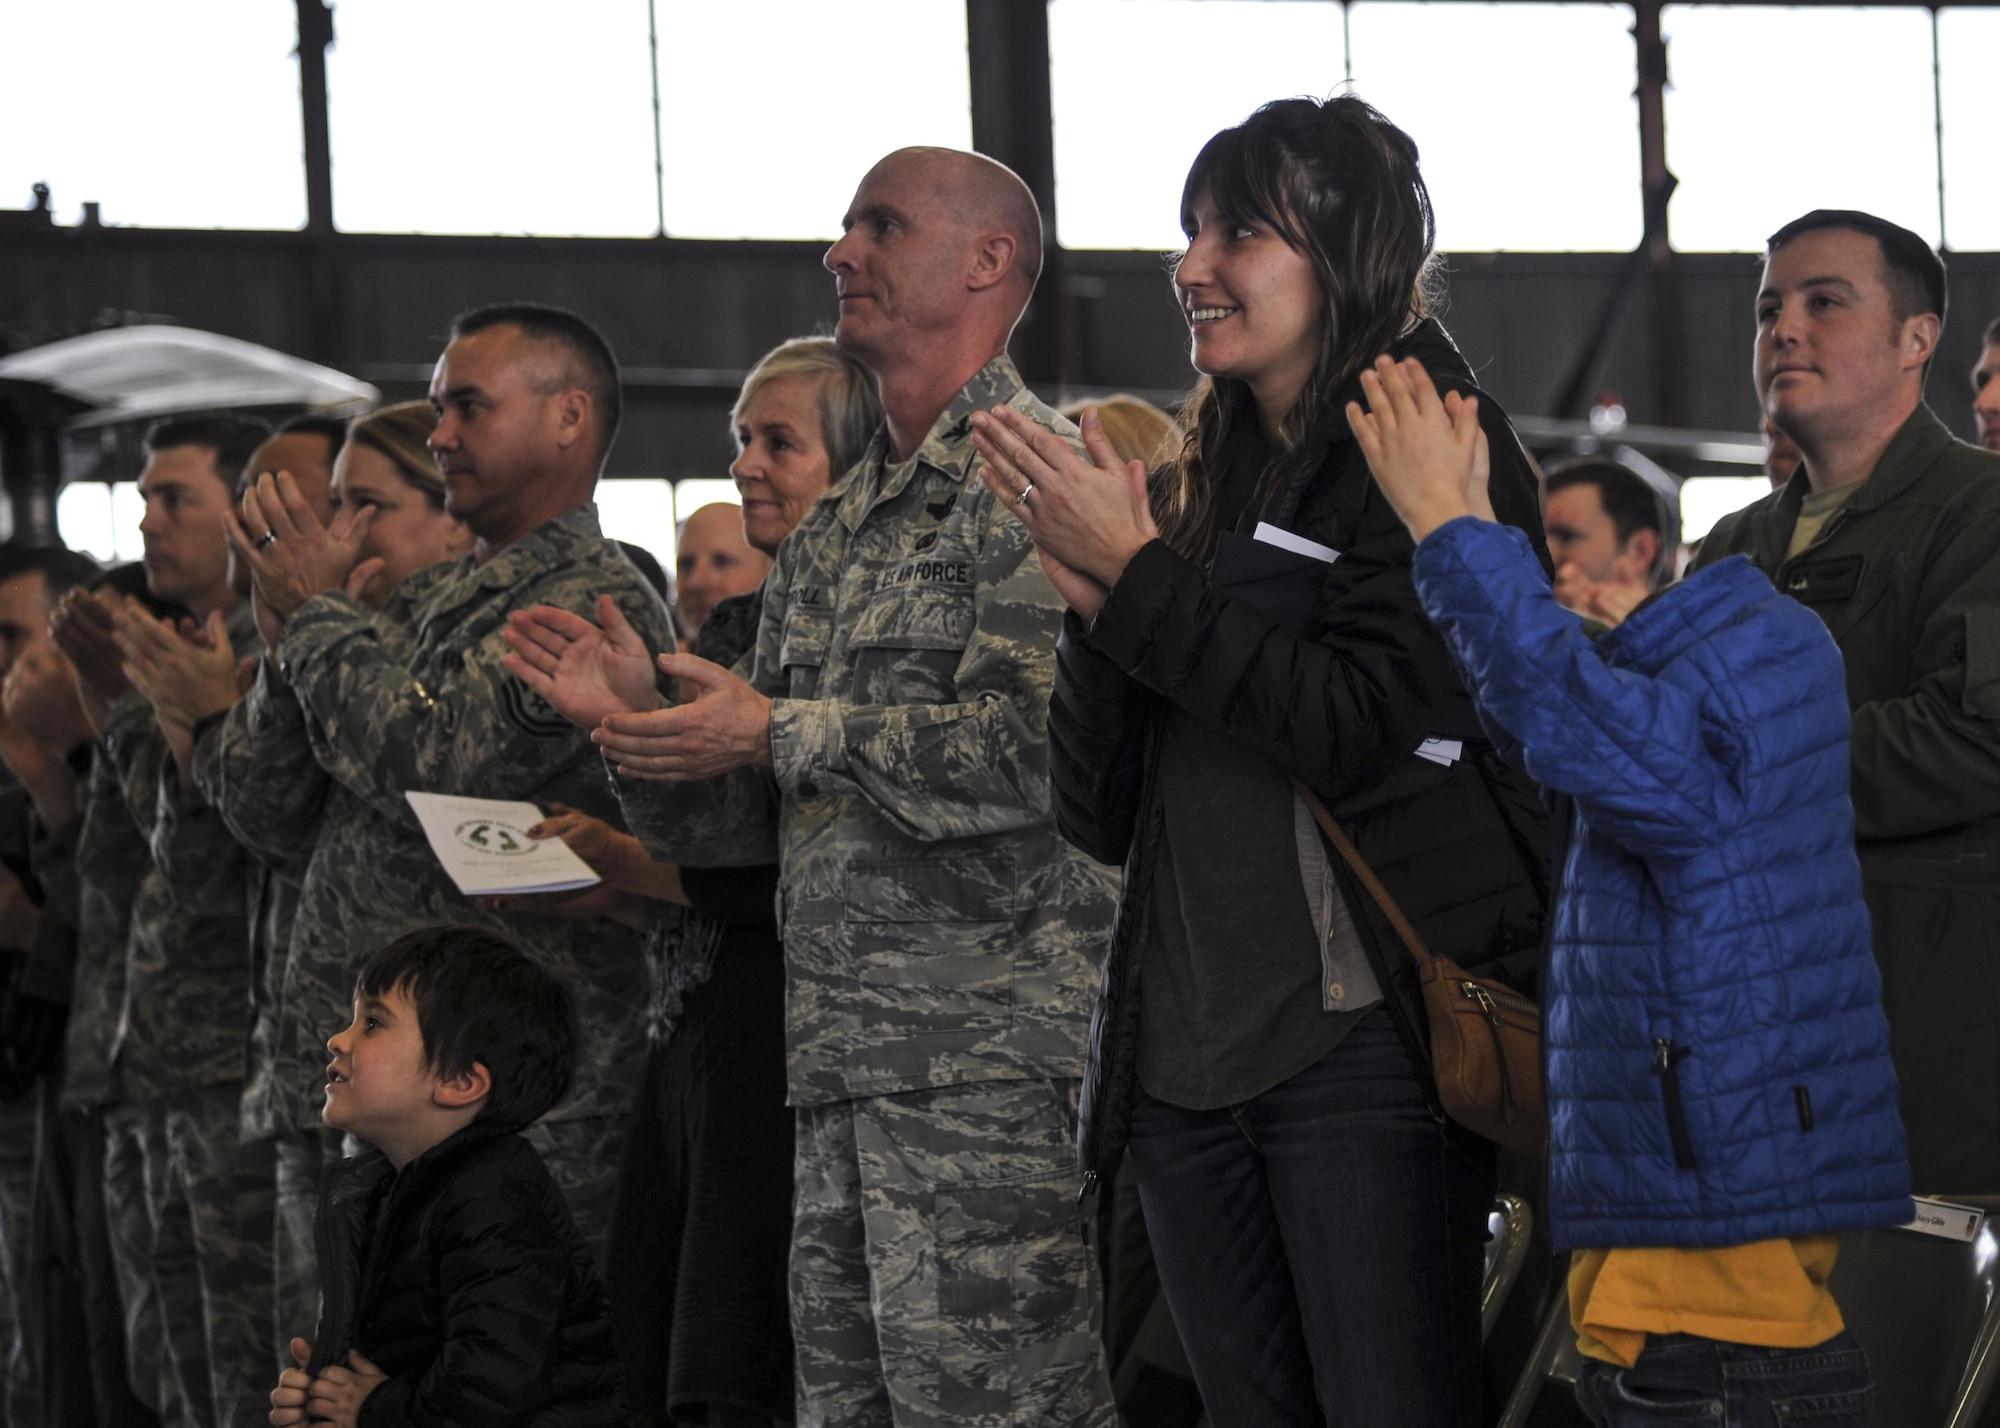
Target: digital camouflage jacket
[
  {"x": 271, "y": 885},
  {"x": 414, "y": 697},
  {"x": 110, "y": 858},
  {"x": 183, "y": 1011},
  {"x": 936, "y": 929}
]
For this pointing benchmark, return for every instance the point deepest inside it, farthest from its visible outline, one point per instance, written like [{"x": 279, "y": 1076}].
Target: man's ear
[
  {"x": 1919, "y": 338},
  {"x": 572, "y": 416},
  {"x": 1644, "y": 547},
  {"x": 992, "y": 261},
  {"x": 468, "y": 1088}
]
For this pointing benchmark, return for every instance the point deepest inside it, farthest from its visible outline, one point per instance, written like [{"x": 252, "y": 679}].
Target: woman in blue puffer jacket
[{"x": 1721, "y": 1100}]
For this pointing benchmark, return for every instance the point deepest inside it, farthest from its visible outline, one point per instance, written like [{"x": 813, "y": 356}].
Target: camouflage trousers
[
  {"x": 583, "y": 1157},
  {"x": 20, "y": 1350},
  {"x": 939, "y": 1269},
  {"x": 300, "y": 1158},
  {"x": 190, "y": 1211}
]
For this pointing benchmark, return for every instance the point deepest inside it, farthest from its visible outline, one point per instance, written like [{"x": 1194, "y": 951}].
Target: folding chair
[
  {"x": 1509, "y": 1227},
  {"x": 1926, "y": 1309}
]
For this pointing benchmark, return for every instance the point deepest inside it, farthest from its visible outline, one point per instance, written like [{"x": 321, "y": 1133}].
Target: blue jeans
[
  {"x": 1684, "y": 1379},
  {"x": 1321, "y": 1245}
]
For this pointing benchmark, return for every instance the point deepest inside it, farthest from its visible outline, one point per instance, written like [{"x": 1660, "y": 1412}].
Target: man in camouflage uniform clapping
[
  {"x": 940, "y": 939},
  {"x": 412, "y": 697}
]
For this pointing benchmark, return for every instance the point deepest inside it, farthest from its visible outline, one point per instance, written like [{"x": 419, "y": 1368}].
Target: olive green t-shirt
[{"x": 1815, "y": 511}]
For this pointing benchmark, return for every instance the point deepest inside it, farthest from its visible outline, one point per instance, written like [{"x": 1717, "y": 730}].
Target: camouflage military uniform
[
  {"x": 184, "y": 1197},
  {"x": 941, "y": 944},
  {"x": 109, "y": 858},
  {"x": 284, "y": 1248},
  {"x": 414, "y": 698}
]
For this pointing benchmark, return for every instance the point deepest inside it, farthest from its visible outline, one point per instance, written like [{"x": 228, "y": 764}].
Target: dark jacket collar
[{"x": 1912, "y": 451}]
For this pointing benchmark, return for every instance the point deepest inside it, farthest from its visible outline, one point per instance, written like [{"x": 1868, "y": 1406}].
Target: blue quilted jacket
[{"x": 1717, "y": 1058}]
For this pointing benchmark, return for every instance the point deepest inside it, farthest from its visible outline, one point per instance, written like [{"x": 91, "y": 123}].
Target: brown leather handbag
[{"x": 1486, "y": 1038}]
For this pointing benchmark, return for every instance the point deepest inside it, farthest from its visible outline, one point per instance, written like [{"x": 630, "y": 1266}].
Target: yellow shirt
[{"x": 1771, "y": 1293}]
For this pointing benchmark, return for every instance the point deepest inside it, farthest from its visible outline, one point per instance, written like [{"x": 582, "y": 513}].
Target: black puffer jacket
[
  {"x": 1464, "y": 849},
  {"x": 465, "y": 1281}
]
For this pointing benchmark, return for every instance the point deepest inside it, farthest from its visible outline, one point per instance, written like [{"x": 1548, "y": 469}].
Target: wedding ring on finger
[
  {"x": 267, "y": 540},
  {"x": 1026, "y": 491}
]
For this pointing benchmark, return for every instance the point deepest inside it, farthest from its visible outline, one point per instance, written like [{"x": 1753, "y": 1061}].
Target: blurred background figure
[
  {"x": 1985, "y": 390},
  {"x": 699, "y": 1243},
  {"x": 712, "y": 561},
  {"x": 43, "y": 740},
  {"x": 1607, "y": 534},
  {"x": 386, "y": 464},
  {"x": 1781, "y": 456},
  {"x": 1136, "y": 429}
]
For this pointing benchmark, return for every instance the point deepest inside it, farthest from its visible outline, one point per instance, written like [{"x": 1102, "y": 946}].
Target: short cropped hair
[
  {"x": 850, "y": 408},
  {"x": 1991, "y": 335},
  {"x": 1632, "y": 504},
  {"x": 333, "y": 430},
  {"x": 61, "y": 570},
  {"x": 1915, "y": 272},
  {"x": 479, "y": 998},
  {"x": 592, "y": 365},
  {"x": 231, "y": 438}
]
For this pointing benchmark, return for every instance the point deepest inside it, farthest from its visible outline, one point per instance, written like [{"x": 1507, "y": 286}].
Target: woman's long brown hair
[{"x": 1339, "y": 183}]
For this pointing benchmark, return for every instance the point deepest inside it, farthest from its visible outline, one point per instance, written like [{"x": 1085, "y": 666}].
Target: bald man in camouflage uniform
[
  {"x": 941, "y": 941},
  {"x": 412, "y": 698}
]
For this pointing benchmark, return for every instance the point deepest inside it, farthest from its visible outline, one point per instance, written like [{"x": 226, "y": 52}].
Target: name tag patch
[
  {"x": 1825, "y": 580},
  {"x": 929, "y": 572}
]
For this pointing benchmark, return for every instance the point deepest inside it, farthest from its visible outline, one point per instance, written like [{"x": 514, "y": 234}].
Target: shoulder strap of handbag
[{"x": 1419, "y": 953}]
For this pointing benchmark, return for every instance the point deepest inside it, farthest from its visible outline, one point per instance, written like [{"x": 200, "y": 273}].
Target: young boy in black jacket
[{"x": 455, "y": 1289}]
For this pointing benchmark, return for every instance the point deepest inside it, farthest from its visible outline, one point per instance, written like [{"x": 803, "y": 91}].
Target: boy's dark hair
[
  {"x": 1631, "y": 503},
  {"x": 231, "y": 438},
  {"x": 591, "y": 363},
  {"x": 332, "y": 429},
  {"x": 61, "y": 570},
  {"x": 480, "y": 998},
  {"x": 1914, "y": 271}
]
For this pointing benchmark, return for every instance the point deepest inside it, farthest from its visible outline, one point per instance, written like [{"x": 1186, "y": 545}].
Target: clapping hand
[
  {"x": 292, "y": 555},
  {"x": 82, "y": 629},
  {"x": 188, "y": 673},
  {"x": 586, "y": 672},
  {"x": 1428, "y": 454},
  {"x": 1088, "y": 517},
  {"x": 727, "y": 727}
]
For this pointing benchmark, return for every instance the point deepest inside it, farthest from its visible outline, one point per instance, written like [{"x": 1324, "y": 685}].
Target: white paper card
[
  {"x": 1946, "y": 1220},
  {"x": 1297, "y": 544},
  {"x": 1442, "y": 751},
  {"x": 484, "y": 846}
]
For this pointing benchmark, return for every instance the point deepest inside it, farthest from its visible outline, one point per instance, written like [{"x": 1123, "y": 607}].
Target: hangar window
[
  {"x": 1775, "y": 111},
  {"x": 162, "y": 120},
  {"x": 490, "y": 116},
  {"x": 1968, "y": 42},
  {"x": 1138, "y": 86},
  {"x": 1523, "y": 115}
]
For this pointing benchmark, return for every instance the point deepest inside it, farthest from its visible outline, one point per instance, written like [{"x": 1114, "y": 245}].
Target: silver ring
[
  {"x": 266, "y": 540},
  {"x": 1026, "y": 491}
]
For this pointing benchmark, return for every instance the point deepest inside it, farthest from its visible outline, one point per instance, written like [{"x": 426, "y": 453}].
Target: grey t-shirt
[{"x": 1232, "y": 1001}]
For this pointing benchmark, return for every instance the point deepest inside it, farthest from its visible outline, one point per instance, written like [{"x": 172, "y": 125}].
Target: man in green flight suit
[{"x": 1890, "y": 531}]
